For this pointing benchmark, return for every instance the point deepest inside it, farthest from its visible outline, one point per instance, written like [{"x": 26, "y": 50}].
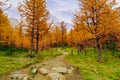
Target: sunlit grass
[
  {"x": 108, "y": 69},
  {"x": 8, "y": 64}
]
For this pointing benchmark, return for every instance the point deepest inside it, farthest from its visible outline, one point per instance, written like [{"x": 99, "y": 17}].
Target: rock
[
  {"x": 34, "y": 70},
  {"x": 64, "y": 65},
  {"x": 44, "y": 64},
  {"x": 26, "y": 78},
  {"x": 17, "y": 75},
  {"x": 55, "y": 76},
  {"x": 43, "y": 71},
  {"x": 62, "y": 70},
  {"x": 69, "y": 70}
]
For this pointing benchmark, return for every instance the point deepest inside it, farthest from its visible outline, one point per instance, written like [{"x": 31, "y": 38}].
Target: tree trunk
[
  {"x": 104, "y": 46},
  {"x": 62, "y": 40},
  {"x": 51, "y": 51},
  {"x": 78, "y": 49},
  {"x": 32, "y": 43},
  {"x": 98, "y": 50},
  {"x": 85, "y": 51},
  {"x": 56, "y": 47},
  {"x": 37, "y": 40},
  {"x": 32, "y": 32},
  {"x": 72, "y": 52}
]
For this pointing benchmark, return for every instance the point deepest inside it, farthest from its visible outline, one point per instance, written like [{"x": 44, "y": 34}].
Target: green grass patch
[
  {"x": 8, "y": 64},
  {"x": 67, "y": 49},
  {"x": 108, "y": 69},
  {"x": 19, "y": 59}
]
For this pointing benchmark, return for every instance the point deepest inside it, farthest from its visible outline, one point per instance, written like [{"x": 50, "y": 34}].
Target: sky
[{"x": 61, "y": 9}]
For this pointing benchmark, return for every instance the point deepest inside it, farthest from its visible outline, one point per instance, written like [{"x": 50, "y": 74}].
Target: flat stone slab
[
  {"x": 44, "y": 71},
  {"x": 17, "y": 75},
  {"x": 69, "y": 70},
  {"x": 55, "y": 76},
  {"x": 26, "y": 78},
  {"x": 62, "y": 70}
]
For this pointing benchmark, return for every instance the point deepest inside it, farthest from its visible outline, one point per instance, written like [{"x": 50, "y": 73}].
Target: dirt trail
[{"x": 58, "y": 61}]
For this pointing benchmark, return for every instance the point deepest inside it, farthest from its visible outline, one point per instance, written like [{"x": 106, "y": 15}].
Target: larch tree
[
  {"x": 70, "y": 37},
  {"x": 20, "y": 32},
  {"x": 57, "y": 35},
  {"x": 92, "y": 14},
  {"x": 80, "y": 36},
  {"x": 4, "y": 3},
  {"x": 63, "y": 32},
  {"x": 35, "y": 14},
  {"x": 51, "y": 40},
  {"x": 5, "y": 29},
  {"x": 4, "y": 22},
  {"x": 42, "y": 26},
  {"x": 1, "y": 22},
  {"x": 18, "y": 36}
]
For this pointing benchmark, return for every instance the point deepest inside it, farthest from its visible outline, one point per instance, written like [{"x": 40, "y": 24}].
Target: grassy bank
[
  {"x": 90, "y": 69},
  {"x": 16, "y": 59}
]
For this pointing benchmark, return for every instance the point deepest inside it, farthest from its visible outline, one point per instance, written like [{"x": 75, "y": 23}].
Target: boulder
[
  {"x": 34, "y": 70},
  {"x": 62, "y": 70},
  {"x": 43, "y": 71},
  {"x": 17, "y": 75},
  {"x": 26, "y": 78},
  {"x": 55, "y": 76},
  {"x": 69, "y": 70},
  {"x": 44, "y": 64}
]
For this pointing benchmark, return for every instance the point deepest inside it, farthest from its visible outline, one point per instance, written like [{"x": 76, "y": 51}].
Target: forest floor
[{"x": 53, "y": 69}]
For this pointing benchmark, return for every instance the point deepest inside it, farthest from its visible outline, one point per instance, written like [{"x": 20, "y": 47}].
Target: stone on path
[
  {"x": 34, "y": 70},
  {"x": 43, "y": 71},
  {"x": 26, "y": 78},
  {"x": 55, "y": 76},
  {"x": 16, "y": 75},
  {"x": 62, "y": 70},
  {"x": 44, "y": 64},
  {"x": 69, "y": 70}
]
